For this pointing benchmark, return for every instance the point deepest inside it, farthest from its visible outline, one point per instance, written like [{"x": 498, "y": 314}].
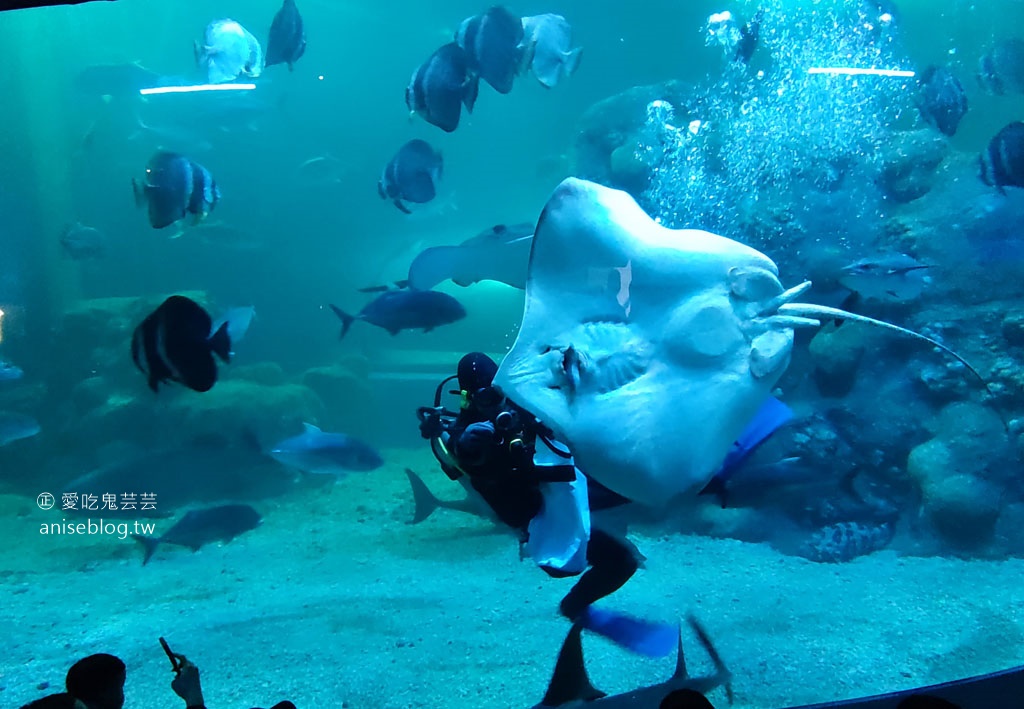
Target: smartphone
[{"x": 170, "y": 656}]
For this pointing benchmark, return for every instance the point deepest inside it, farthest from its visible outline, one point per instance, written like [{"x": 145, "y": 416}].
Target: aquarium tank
[{"x": 558, "y": 353}]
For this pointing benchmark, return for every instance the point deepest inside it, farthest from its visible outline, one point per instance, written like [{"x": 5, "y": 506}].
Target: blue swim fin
[
  {"x": 643, "y": 637},
  {"x": 772, "y": 415}
]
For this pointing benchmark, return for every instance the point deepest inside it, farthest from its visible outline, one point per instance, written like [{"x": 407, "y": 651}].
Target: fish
[
  {"x": 16, "y": 427},
  {"x": 170, "y": 134},
  {"x": 203, "y": 526},
  {"x": 738, "y": 41},
  {"x": 411, "y": 175},
  {"x": 426, "y": 502},
  {"x": 500, "y": 253},
  {"x": 892, "y": 278},
  {"x": 1001, "y": 69},
  {"x": 494, "y": 42},
  {"x": 218, "y": 233},
  {"x": 117, "y": 80},
  {"x": 322, "y": 169},
  {"x": 287, "y": 41},
  {"x": 319, "y": 453},
  {"x": 553, "y": 57},
  {"x": 941, "y": 99},
  {"x": 206, "y": 470},
  {"x": 570, "y": 685},
  {"x": 228, "y": 51},
  {"x": 749, "y": 35},
  {"x": 397, "y": 310},
  {"x": 1002, "y": 163},
  {"x": 83, "y": 242},
  {"x": 845, "y": 541},
  {"x": 174, "y": 343},
  {"x": 174, "y": 187},
  {"x": 10, "y": 372},
  {"x": 441, "y": 86},
  {"x": 237, "y": 320}
]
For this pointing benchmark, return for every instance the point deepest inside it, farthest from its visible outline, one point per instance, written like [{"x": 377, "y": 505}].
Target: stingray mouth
[{"x": 595, "y": 358}]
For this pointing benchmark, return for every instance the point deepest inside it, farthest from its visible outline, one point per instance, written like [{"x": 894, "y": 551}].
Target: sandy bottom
[{"x": 337, "y": 602}]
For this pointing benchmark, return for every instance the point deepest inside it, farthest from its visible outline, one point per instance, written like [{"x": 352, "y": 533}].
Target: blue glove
[{"x": 476, "y": 439}]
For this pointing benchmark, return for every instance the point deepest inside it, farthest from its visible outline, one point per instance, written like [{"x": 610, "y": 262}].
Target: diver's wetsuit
[{"x": 509, "y": 482}]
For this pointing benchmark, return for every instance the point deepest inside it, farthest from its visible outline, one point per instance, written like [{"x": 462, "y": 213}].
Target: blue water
[{"x": 812, "y": 592}]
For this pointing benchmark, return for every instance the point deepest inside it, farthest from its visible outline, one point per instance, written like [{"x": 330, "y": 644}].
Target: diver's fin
[
  {"x": 426, "y": 501},
  {"x": 772, "y": 415},
  {"x": 570, "y": 682},
  {"x": 635, "y": 634}
]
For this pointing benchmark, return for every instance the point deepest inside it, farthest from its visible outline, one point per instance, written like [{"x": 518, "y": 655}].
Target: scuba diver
[{"x": 504, "y": 455}]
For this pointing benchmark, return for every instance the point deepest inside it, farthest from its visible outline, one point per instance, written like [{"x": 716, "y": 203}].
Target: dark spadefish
[
  {"x": 1002, "y": 163},
  {"x": 287, "y": 41},
  {"x": 941, "y": 99},
  {"x": 494, "y": 43},
  {"x": 411, "y": 175},
  {"x": 174, "y": 344},
  {"x": 441, "y": 86},
  {"x": 174, "y": 187}
]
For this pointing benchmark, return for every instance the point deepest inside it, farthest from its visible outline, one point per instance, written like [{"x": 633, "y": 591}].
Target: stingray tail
[
  {"x": 808, "y": 310},
  {"x": 346, "y": 319},
  {"x": 149, "y": 545}
]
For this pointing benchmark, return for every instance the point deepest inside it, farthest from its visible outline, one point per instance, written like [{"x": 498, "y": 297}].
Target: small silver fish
[
  {"x": 892, "y": 278},
  {"x": 14, "y": 427},
  {"x": 552, "y": 57},
  {"x": 238, "y": 321},
  {"x": 9, "y": 372},
  {"x": 83, "y": 242},
  {"x": 229, "y": 50}
]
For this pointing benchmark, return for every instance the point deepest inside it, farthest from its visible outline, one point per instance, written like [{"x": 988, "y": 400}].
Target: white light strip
[
  {"x": 852, "y": 71},
  {"x": 197, "y": 87}
]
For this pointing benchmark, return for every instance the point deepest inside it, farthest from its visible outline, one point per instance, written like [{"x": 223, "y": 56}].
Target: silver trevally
[
  {"x": 14, "y": 427},
  {"x": 314, "y": 451}
]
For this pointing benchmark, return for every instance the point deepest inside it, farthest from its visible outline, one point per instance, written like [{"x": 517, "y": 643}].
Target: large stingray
[
  {"x": 647, "y": 349},
  {"x": 496, "y": 254}
]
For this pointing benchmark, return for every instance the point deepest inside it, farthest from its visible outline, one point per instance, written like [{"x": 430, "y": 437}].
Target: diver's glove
[
  {"x": 476, "y": 441},
  {"x": 477, "y": 437},
  {"x": 431, "y": 427}
]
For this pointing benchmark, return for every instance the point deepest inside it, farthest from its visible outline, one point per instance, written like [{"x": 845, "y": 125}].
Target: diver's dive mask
[{"x": 488, "y": 401}]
